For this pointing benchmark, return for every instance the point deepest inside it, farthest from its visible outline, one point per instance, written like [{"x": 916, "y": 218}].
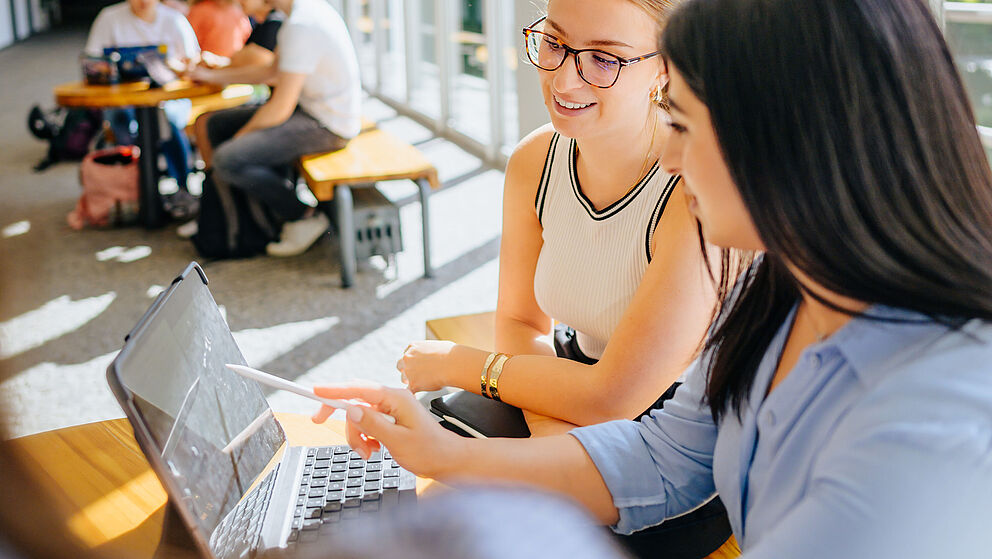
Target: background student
[
  {"x": 843, "y": 405},
  {"x": 142, "y": 23},
  {"x": 221, "y": 26},
  {"x": 315, "y": 107},
  {"x": 260, "y": 47},
  {"x": 258, "y": 53}
]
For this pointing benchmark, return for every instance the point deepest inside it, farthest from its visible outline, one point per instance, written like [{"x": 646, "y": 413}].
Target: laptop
[
  {"x": 129, "y": 67},
  {"x": 214, "y": 443}
]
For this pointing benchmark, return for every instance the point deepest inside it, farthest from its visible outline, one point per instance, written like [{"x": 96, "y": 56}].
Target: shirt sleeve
[
  {"x": 185, "y": 44},
  {"x": 297, "y": 52},
  {"x": 907, "y": 474},
  {"x": 662, "y": 465}
]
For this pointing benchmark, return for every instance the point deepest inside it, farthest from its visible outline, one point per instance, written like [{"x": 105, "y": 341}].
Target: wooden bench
[{"x": 372, "y": 156}]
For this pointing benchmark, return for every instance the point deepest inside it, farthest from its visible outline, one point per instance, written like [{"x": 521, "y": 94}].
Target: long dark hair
[{"x": 848, "y": 133}]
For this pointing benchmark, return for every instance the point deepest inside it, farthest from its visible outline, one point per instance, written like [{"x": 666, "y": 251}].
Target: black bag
[
  {"x": 70, "y": 133},
  {"x": 472, "y": 415},
  {"x": 231, "y": 223}
]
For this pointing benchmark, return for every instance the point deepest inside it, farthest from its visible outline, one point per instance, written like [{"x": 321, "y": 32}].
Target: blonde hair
[{"x": 659, "y": 10}]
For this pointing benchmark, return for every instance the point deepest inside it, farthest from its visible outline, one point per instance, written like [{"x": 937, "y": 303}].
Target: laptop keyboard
[
  {"x": 337, "y": 486},
  {"x": 239, "y": 530}
]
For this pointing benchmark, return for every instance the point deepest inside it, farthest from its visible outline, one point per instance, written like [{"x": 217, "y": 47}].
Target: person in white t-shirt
[
  {"x": 147, "y": 22},
  {"x": 143, "y": 22},
  {"x": 315, "y": 107}
]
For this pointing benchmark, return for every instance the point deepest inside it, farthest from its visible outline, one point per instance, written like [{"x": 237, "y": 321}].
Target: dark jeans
[
  {"x": 690, "y": 536},
  {"x": 260, "y": 163},
  {"x": 176, "y": 149}
]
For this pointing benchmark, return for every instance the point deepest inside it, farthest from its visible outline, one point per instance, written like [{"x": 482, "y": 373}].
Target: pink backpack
[{"x": 109, "y": 178}]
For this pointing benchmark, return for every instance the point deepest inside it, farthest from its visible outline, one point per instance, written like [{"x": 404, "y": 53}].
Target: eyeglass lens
[{"x": 596, "y": 68}]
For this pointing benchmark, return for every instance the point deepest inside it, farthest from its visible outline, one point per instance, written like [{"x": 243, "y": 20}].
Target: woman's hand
[
  {"x": 200, "y": 74},
  {"x": 416, "y": 440},
  {"x": 424, "y": 365}
]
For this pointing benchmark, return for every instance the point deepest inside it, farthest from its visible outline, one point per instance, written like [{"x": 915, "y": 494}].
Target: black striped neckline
[{"x": 615, "y": 207}]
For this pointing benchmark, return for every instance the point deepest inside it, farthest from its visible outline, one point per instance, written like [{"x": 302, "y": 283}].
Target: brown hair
[{"x": 880, "y": 193}]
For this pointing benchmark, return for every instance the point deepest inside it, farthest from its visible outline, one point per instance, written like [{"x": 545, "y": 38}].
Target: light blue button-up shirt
[{"x": 877, "y": 444}]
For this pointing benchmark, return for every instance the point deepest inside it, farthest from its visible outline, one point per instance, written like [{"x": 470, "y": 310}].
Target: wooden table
[
  {"x": 111, "y": 499},
  {"x": 145, "y": 99},
  {"x": 474, "y": 330}
]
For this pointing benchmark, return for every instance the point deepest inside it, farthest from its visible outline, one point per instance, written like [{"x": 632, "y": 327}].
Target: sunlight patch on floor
[
  {"x": 53, "y": 385},
  {"x": 378, "y": 361},
  {"x": 48, "y": 322},
  {"x": 125, "y": 255},
  {"x": 262, "y": 345},
  {"x": 15, "y": 229},
  {"x": 154, "y": 291},
  {"x": 461, "y": 232}
]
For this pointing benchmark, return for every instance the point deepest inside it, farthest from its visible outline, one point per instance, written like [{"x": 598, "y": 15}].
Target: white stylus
[
  {"x": 283, "y": 384},
  {"x": 289, "y": 386}
]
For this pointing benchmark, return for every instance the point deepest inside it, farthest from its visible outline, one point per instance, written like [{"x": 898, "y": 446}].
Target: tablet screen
[{"x": 213, "y": 429}]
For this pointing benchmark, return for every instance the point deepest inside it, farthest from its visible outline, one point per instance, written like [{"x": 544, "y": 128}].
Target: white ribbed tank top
[{"x": 592, "y": 261}]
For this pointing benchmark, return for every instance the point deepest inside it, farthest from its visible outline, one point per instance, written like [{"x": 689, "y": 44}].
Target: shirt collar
[{"x": 884, "y": 336}]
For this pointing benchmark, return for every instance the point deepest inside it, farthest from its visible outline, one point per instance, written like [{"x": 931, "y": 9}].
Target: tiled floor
[{"x": 67, "y": 298}]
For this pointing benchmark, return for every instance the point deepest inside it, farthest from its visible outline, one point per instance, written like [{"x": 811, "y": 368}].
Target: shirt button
[
  {"x": 770, "y": 418},
  {"x": 815, "y": 360}
]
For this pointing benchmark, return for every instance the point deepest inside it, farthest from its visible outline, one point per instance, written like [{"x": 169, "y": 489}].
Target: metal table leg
[
  {"x": 425, "y": 194},
  {"x": 344, "y": 206},
  {"x": 150, "y": 210}
]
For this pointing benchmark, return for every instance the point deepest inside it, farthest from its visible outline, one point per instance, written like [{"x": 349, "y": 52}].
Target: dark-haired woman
[{"x": 843, "y": 404}]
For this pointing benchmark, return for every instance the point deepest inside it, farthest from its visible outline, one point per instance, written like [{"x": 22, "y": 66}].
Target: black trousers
[
  {"x": 261, "y": 162},
  {"x": 690, "y": 536}
]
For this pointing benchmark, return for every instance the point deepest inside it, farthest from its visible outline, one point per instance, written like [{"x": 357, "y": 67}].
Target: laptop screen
[
  {"x": 130, "y": 67},
  {"x": 213, "y": 429}
]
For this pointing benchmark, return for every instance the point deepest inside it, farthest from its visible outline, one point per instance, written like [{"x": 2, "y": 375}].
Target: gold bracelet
[
  {"x": 497, "y": 370},
  {"x": 485, "y": 374}
]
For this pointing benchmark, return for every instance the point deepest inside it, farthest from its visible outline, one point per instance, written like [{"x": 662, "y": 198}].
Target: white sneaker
[
  {"x": 188, "y": 229},
  {"x": 298, "y": 236}
]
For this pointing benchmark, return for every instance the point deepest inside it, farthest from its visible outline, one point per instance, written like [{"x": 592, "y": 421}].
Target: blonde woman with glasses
[{"x": 596, "y": 237}]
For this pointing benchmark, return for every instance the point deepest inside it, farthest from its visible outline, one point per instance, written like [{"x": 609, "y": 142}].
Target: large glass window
[
  {"x": 390, "y": 37},
  {"x": 425, "y": 75},
  {"x": 365, "y": 43},
  {"x": 968, "y": 28},
  {"x": 470, "y": 87},
  {"x": 510, "y": 38},
  {"x": 449, "y": 62},
  {"x": 453, "y": 63}
]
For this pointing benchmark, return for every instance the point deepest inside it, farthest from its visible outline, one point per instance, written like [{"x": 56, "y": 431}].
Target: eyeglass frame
[{"x": 624, "y": 62}]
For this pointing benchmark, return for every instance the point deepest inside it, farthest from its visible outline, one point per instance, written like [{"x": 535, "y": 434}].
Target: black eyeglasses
[{"x": 596, "y": 67}]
